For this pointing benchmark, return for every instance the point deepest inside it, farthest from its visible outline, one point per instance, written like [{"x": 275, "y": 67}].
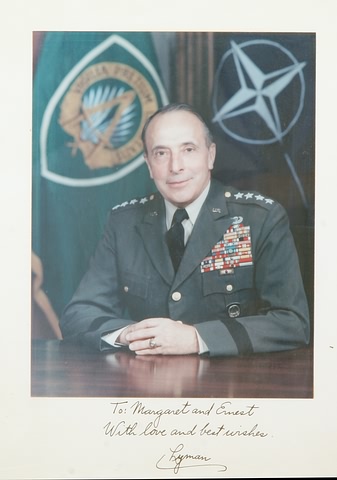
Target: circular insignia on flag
[
  {"x": 258, "y": 91},
  {"x": 104, "y": 111},
  {"x": 91, "y": 128}
]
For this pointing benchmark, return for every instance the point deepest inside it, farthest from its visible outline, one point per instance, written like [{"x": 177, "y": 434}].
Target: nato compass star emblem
[
  {"x": 258, "y": 92},
  {"x": 258, "y": 98}
]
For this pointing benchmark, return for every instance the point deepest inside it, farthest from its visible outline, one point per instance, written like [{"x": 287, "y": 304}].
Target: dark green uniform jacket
[{"x": 238, "y": 283}]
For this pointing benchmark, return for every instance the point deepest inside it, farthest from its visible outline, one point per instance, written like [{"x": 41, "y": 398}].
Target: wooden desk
[{"x": 60, "y": 369}]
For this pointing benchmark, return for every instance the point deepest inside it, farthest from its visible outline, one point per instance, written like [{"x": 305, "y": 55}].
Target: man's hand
[{"x": 160, "y": 336}]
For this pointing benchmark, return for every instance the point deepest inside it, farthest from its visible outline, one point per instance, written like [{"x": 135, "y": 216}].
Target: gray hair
[{"x": 176, "y": 107}]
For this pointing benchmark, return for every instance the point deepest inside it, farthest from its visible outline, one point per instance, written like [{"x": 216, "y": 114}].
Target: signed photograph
[
  {"x": 130, "y": 129},
  {"x": 168, "y": 299}
]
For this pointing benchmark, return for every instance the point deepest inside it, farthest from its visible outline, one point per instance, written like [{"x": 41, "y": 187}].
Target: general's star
[
  {"x": 262, "y": 88},
  {"x": 259, "y": 197},
  {"x": 238, "y": 195},
  {"x": 143, "y": 200}
]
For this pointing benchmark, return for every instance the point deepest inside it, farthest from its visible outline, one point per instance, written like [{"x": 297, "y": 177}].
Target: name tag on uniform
[{"x": 234, "y": 250}]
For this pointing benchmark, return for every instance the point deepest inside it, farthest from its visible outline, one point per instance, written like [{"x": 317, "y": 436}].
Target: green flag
[{"x": 92, "y": 94}]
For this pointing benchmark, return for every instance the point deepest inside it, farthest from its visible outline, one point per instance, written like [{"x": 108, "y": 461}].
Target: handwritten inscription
[
  {"x": 178, "y": 458},
  {"x": 138, "y": 408},
  {"x": 219, "y": 420},
  {"x": 123, "y": 429}
]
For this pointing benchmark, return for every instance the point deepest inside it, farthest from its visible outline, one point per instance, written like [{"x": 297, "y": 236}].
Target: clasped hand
[{"x": 162, "y": 336}]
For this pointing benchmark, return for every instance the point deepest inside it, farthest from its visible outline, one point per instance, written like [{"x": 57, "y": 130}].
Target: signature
[{"x": 179, "y": 459}]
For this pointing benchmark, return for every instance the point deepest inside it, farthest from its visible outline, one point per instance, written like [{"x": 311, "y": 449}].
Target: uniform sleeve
[
  {"x": 282, "y": 320},
  {"x": 95, "y": 308}
]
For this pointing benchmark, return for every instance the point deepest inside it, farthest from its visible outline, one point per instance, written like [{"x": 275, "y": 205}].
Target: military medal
[{"x": 234, "y": 250}]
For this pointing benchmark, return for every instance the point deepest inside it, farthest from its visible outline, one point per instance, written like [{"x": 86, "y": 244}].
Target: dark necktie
[{"x": 175, "y": 237}]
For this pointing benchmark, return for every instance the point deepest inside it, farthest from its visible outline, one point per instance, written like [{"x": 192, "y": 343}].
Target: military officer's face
[{"x": 179, "y": 160}]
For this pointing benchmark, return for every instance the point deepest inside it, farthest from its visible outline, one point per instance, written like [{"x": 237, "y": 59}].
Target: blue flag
[{"x": 263, "y": 116}]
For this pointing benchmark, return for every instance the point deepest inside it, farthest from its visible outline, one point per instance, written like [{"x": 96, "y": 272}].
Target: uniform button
[
  {"x": 228, "y": 194},
  {"x": 233, "y": 311},
  {"x": 176, "y": 296},
  {"x": 126, "y": 289},
  {"x": 229, "y": 288}
]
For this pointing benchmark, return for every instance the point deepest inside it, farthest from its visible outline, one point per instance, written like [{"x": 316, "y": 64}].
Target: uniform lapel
[
  {"x": 211, "y": 224},
  {"x": 152, "y": 230}
]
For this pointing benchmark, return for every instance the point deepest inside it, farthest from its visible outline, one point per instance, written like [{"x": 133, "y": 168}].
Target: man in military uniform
[{"x": 195, "y": 268}]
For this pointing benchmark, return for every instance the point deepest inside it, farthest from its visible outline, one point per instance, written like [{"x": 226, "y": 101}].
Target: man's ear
[{"x": 211, "y": 156}]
